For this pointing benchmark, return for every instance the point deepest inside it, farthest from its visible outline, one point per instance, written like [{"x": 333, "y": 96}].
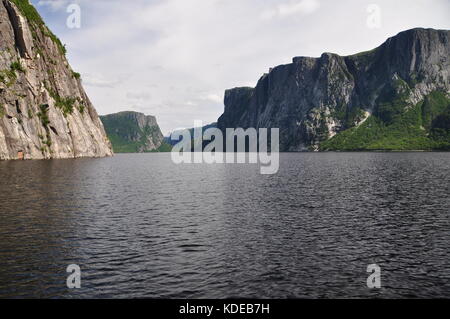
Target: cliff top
[
  {"x": 35, "y": 20},
  {"x": 128, "y": 113},
  {"x": 411, "y": 33}
]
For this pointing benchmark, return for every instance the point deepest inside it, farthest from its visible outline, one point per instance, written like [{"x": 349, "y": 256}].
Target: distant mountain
[
  {"x": 395, "y": 97},
  {"x": 168, "y": 139},
  {"x": 132, "y": 132}
]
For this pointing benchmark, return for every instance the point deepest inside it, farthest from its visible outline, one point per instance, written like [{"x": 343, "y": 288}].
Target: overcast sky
[{"x": 175, "y": 58}]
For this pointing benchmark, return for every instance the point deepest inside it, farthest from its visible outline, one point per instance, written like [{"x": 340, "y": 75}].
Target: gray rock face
[
  {"x": 313, "y": 99},
  {"x": 133, "y": 132},
  {"x": 44, "y": 110}
]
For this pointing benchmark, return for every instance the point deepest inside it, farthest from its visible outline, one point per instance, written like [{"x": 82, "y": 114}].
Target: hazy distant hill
[
  {"x": 132, "y": 132},
  {"x": 168, "y": 139}
]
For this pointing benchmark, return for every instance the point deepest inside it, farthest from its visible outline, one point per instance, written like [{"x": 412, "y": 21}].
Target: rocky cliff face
[
  {"x": 44, "y": 111},
  {"x": 132, "y": 132},
  {"x": 313, "y": 100}
]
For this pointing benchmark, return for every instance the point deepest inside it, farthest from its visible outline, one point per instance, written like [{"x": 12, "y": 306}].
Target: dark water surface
[{"x": 140, "y": 226}]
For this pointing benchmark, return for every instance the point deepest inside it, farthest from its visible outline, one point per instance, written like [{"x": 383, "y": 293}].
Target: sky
[{"x": 174, "y": 59}]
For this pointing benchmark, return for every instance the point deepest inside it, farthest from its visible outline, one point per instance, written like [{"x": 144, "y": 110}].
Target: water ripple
[{"x": 142, "y": 227}]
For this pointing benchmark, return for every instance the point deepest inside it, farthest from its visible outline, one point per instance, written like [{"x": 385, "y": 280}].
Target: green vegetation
[
  {"x": 426, "y": 126},
  {"x": 127, "y": 136},
  {"x": 9, "y": 76},
  {"x": 61, "y": 47},
  {"x": 433, "y": 106},
  {"x": 2, "y": 111},
  {"x": 76, "y": 75},
  {"x": 365, "y": 53},
  {"x": 28, "y": 10},
  {"x": 123, "y": 145},
  {"x": 440, "y": 130},
  {"x": 391, "y": 103},
  {"x": 164, "y": 148},
  {"x": 322, "y": 130},
  {"x": 35, "y": 20},
  {"x": 349, "y": 116},
  {"x": 43, "y": 115},
  {"x": 82, "y": 106},
  {"x": 65, "y": 104},
  {"x": 16, "y": 66},
  {"x": 48, "y": 142}
]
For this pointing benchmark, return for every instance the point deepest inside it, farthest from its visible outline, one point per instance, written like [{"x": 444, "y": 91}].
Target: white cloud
[
  {"x": 143, "y": 96},
  {"x": 98, "y": 80},
  {"x": 291, "y": 8},
  {"x": 54, "y": 5},
  {"x": 212, "y": 97}
]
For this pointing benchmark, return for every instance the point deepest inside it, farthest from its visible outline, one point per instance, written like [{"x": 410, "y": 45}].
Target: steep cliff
[
  {"x": 393, "y": 97},
  {"x": 44, "y": 110},
  {"x": 132, "y": 132}
]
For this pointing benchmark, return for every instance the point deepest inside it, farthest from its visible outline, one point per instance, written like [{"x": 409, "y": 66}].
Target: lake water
[{"x": 140, "y": 226}]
